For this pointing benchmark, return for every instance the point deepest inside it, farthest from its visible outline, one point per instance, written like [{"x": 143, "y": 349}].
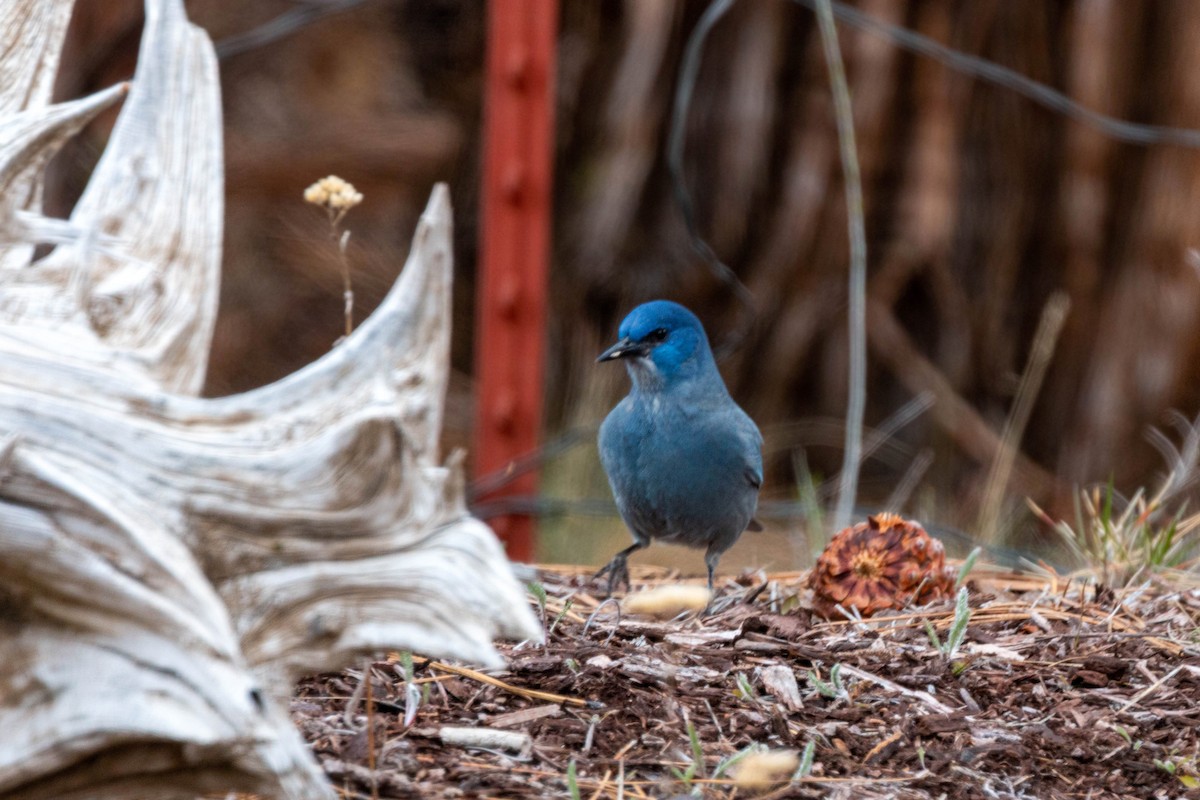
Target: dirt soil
[{"x": 1061, "y": 689}]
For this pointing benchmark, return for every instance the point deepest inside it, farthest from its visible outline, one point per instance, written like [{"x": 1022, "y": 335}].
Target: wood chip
[
  {"x": 487, "y": 738},
  {"x": 524, "y": 715},
  {"x": 931, "y": 724},
  {"x": 701, "y": 638},
  {"x": 780, "y": 681},
  {"x": 994, "y": 650},
  {"x": 883, "y": 748}
]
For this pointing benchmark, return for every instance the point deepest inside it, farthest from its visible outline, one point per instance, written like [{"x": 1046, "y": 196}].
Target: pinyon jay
[{"x": 684, "y": 461}]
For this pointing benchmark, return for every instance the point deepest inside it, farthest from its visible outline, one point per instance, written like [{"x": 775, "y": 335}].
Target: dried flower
[
  {"x": 884, "y": 563},
  {"x": 336, "y": 194}
]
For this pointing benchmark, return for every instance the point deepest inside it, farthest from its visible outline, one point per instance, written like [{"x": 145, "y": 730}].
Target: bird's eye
[{"x": 657, "y": 335}]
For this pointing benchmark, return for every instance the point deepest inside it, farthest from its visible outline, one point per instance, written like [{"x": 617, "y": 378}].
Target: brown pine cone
[{"x": 884, "y": 563}]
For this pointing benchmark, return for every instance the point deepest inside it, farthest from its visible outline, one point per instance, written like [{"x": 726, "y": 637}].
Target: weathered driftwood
[{"x": 170, "y": 564}]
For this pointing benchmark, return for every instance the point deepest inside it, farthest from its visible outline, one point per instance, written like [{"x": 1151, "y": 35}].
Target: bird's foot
[{"x": 617, "y": 571}]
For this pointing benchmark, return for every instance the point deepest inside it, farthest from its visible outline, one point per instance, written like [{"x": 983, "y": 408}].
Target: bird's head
[{"x": 662, "y": 343}]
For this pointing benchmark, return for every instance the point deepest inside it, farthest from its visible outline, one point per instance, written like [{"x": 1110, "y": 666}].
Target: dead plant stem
[
  {"x": 856, "y": 314},
  {"x": 1053, "y": 316}
]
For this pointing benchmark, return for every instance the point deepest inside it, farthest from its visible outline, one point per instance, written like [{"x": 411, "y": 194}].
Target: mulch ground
[{"x": 1061, "y": 689}]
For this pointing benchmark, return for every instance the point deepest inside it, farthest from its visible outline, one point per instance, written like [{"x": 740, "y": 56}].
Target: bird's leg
[
  {"x": 711, "y": 557},
  {"x": 618, "y": 569}
]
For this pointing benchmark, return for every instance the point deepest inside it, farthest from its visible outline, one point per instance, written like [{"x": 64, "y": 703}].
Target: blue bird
[{"x": 683, "y": 460}]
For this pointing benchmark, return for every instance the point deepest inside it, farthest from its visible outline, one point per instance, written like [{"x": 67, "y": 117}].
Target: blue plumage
[{"x": 684, "y": 461}]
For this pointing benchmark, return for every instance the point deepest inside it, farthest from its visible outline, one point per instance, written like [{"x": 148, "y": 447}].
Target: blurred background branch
[
  {"x": 305, "y": 13},
  {"x": 1009, "y": 150},
  {"x": 856, "y": 291}
]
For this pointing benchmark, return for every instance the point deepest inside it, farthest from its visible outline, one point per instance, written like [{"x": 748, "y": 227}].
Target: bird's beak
[{"x": 623, "y": 349}]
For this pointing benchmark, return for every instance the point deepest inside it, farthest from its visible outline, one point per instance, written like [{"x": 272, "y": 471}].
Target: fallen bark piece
[
  {"x": 780, "y": 681},
  {"x": 488, "y": 739},
  {"x": 994, "y": 650},
  {"x": 655, "y": 670},
  {"x": 524, "y": 715},
  {"x": 702, "y": 638}
]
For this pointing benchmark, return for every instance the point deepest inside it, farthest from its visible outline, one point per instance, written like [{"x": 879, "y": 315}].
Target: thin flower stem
[
  {"x": 337, "y": 197},
  {"x": 347, "y": 286}
]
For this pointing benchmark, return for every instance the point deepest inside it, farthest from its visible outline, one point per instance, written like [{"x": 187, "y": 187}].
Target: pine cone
[{"x": 884, "y": 563}]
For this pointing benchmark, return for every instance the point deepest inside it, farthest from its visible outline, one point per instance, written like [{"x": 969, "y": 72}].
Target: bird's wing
[
  {"x": 753, "y": 477},
  {"x": 752, "y": 438},
  {"x": 743, "y": 449},
  {"x": 754, "y": 470}
]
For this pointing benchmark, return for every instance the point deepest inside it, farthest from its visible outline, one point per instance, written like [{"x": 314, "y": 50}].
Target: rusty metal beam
[{"x": 514, "y": 258}]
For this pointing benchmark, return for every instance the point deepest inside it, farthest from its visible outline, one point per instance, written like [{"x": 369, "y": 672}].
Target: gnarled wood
[{"x": 170, "y": 564}]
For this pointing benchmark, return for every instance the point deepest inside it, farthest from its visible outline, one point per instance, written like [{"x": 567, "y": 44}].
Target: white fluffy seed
[
  {"x": 664, "y": 602},
  {"x": 759, "y": 771}
]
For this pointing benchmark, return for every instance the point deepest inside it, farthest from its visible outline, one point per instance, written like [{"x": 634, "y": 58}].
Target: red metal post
[{"x": 516, "y": 196}]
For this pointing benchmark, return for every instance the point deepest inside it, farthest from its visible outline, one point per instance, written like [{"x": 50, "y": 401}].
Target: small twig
[
  {"x": 592, "y": 617},
  {"x": 1137, "y": 698},
  {"x": 1054, "y": 314},
  {"x": 371, "y": 730},
  {"x": 912, "y": 476},
  {"x": 716, "y": 723},
  {"x": 916, "y": 694},
  {"x": 990, "y": 71},
  {"x": 352, "y": 704},
  {"x": 280, "y": 26},
  {"x": 602, "y": 785},
  {"x": 895, "y": 422},
  {"x": 891, "y": 343},
  {"x": 883, "y": 743},
  {"x": 856, "y": 314},
  {"x": 517, "y": 690}
]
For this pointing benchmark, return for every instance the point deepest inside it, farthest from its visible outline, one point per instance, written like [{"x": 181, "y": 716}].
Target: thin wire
[
  {"x": 1040, "y": 93},
  {"x": 688, "y": 71},
  {"x": 856, "y": 313}
]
